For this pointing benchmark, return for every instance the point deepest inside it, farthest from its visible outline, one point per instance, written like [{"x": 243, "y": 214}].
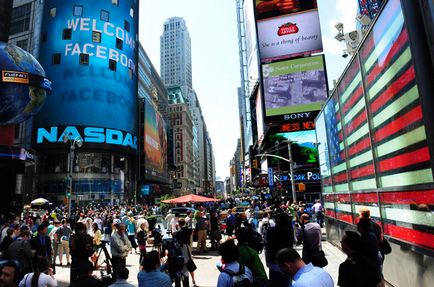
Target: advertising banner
[
  {"x": 155, "y": 144},
  {"x": 260, "y": 117},
  {"x": 90, "y": 55},
  {"x": 294, "y": 86},
  {"x": 289, "y": 36}
]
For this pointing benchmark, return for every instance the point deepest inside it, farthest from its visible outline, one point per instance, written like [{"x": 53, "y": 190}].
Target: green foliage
[{"x": 165, "y": 206}]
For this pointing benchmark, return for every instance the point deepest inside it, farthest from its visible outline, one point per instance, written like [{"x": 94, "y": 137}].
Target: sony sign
[{"x": 88, "y": 134}]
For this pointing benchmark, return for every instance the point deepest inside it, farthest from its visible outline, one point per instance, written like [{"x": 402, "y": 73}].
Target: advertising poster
[
  {"x": 273, "y": 8},
  {"x": 260, "y": 117},
  {"x": 294, "y": 86},
  {"x": 155, "y": 145},
  {"x": 304, "y": 147},
  {"x": 289, "y": 36},
  {"x": 90, "y": 53}
]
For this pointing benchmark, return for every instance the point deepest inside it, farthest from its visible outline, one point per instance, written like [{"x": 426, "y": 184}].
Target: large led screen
[
  {"x": 155, "y": 144},
  {"x": 259, "y": 117},
  {"x": 294, "y": 86},
  {"x": 90, "y": 53},
  {"x": 287, "y": 29}
]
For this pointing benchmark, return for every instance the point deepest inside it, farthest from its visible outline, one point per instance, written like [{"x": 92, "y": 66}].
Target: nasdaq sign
[{"x": 95, "y": 135}]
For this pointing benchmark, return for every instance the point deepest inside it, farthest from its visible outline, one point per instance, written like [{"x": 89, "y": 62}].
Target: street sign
[{"x": 270, "y": 177}]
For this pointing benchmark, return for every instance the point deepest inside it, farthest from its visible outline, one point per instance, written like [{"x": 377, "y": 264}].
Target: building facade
[
  {"x": 181, "y": 123},
  {"x": 90, "y": 54},
  {"x": 375, "y": 137},
  {"x": 175, "y": 53},
  {"x": 154, "y": 142}
]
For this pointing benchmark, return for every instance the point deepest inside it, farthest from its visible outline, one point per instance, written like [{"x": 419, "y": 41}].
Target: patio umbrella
[
  {"x": 39, "y": 201},
  {"x": 190, "y": 198}
]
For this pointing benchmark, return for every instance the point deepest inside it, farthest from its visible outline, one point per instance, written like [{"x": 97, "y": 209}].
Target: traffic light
[
  {"x": 68, "y": 192},
  {"x": 301, "y": 186}
]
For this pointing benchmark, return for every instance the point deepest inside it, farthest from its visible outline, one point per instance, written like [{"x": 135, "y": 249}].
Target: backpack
[
  {"x": 256, "y": 242},
  {"x": 239, "y": 279}
]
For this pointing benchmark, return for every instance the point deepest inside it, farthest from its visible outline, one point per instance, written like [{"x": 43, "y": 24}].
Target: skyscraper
[{"x": 175, "y": 54}]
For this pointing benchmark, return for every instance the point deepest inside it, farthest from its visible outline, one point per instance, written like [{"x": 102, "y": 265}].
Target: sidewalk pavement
[{"x": 207, "y": 273}]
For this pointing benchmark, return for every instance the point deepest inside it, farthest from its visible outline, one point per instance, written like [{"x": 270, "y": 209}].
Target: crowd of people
[{"x": 32, "y": 247}]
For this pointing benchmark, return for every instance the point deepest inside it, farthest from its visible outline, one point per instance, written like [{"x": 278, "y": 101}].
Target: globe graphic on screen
[{"x": 18, "y": 102}]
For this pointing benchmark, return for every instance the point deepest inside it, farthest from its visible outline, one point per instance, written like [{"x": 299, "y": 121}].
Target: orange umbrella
[{"x": 190, "y": 198}]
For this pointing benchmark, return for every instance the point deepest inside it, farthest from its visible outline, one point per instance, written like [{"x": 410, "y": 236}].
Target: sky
[{"x": 212, "y": 25}]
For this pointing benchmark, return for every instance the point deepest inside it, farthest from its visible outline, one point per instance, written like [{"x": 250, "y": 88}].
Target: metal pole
[
  {"x": 291, "y": 168},
  {"x": 71, "y": 162}
]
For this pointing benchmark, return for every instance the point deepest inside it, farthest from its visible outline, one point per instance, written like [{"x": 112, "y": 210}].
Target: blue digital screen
[{"x": 89, "y": 52}]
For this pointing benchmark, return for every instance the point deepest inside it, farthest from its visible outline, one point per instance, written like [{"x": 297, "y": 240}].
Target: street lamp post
[
  {"x": 78, "y": 141},
  {"x": 291, "y": 167}
]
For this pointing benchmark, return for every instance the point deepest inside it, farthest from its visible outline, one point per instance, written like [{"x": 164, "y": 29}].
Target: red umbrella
[{"x": 190, "y": 198}]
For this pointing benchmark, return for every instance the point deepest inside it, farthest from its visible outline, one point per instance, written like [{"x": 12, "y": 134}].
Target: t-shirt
[{"x": 43, "y": 280}]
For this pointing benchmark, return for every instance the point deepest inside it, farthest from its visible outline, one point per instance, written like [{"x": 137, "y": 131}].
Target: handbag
[
  {"x": 317, "y": 257},
  {"x": 385, "y": 247},
  {"x": 191, "y": 266}
]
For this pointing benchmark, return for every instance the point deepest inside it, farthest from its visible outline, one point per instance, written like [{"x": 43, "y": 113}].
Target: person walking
[
  {"x": 131, "y": 230},
  {"x": 304, "y": 275},
  {"x": 64, "y": 234},
  {"x": 6, "y": 242},
  {"x": 249, "y": 257},
  {"x": 120, "y": 246},
  {"x": 231, "y": 267},
  {"x": 21, "y": 251},
  {"x": 231, "y": 221},
  {"x": 310, "y": 236},
  {"x": 202, "y": 228},
  {"x": 278, "y": 237},
  {"x": 182, "y": 236},
  {"x": 356, "y": 270},
  {"x": 97, "y": 236},
  {"x": 81, "y": 248},
  {"x": 215, "y": 231},
  {"x": 55, "y": 241},
  {"x": 318, "y": 211},
  {"x": 41, "y": 244},
  {"x": 142, "y": 236}
]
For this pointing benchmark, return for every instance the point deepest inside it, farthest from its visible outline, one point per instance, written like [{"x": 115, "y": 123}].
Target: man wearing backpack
[
  {"x": 233, "y": 274},
  {"x": 249, "y": 257}
]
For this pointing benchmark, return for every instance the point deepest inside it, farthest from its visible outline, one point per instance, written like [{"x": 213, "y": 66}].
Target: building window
[
  {"x": 96, "y": 37},
  {"x": 23, "y": 44},
  {"x": 119, "y": 43},
  {"x": 112, "y": 65},
  {"x": 67, "y": 34},
  {"x": 84, "y": 59},
  {"x": 132, "y": 12},
  {"x": 127, "y": 25},
  {"x": 104, "y": 15},
  {"x": 77, "y": 10},
  {"x": 52, "y": 12},
  {"x": 115, "y": 2},
  {"x": 20, "y": 19},
  {"x": 56, "y": 59}
]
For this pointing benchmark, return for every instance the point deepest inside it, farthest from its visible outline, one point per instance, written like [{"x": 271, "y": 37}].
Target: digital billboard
[
  {"x": 294, "y": 86},
  {"x": 259, "y": 117},
  {"x": 287, "y": 29},
  {"x": 155, "y": 144},
  {"x": 90, "y": 54}
]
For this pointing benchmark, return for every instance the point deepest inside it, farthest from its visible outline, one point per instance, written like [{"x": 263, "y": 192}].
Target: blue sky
[{"x": 212, "y": 25}]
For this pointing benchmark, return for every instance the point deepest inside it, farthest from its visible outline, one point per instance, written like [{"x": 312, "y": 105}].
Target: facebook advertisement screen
[{"x": 89, "y": 53}]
